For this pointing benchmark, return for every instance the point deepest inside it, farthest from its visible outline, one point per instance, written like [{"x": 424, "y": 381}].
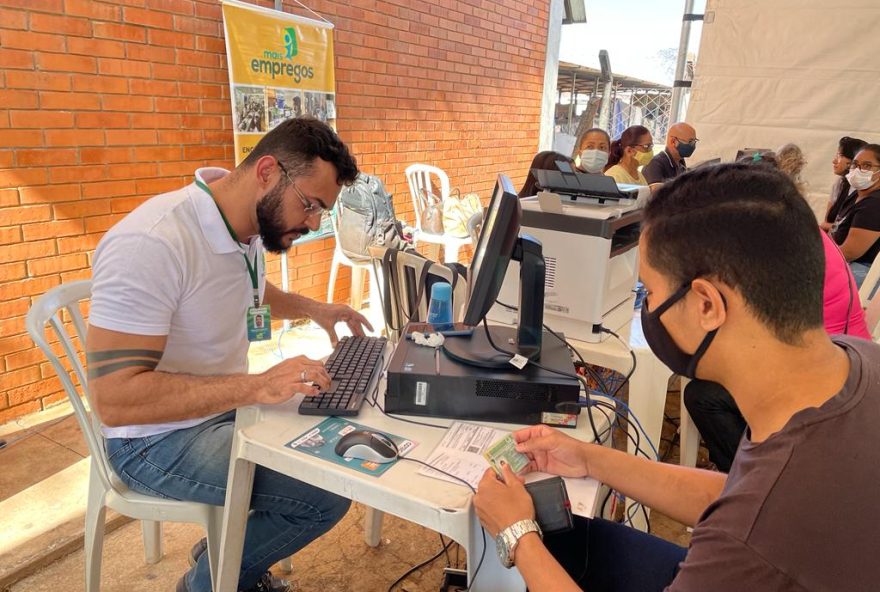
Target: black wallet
[{"x": 552, "y": 508}]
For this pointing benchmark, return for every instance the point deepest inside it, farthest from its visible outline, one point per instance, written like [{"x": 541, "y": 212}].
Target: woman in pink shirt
[{"x": 843, "y": 309}]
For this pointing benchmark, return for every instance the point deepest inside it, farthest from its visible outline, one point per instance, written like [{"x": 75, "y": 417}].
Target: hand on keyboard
[
  {"x": 292, "y": 376},
  {"x": 355, "y": 366}
]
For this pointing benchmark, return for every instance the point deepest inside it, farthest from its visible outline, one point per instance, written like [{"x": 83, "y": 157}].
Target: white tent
[{"x": 777, "y": 71}]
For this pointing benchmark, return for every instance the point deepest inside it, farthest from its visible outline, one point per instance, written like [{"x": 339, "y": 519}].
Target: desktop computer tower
[{"x": 425, "y": 381}]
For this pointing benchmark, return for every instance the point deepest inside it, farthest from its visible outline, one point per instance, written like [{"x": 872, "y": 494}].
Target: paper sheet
[{"x": 460, "y": 453}]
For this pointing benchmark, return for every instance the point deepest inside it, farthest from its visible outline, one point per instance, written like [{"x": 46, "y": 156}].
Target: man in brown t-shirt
[{"x": 734, "y": 272}]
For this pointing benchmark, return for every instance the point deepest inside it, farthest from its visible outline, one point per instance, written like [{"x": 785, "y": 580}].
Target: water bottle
[{"x": 440, "y": 308}]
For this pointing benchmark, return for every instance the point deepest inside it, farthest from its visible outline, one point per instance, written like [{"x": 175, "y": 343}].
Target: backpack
[{"x": 365, "y": 217}]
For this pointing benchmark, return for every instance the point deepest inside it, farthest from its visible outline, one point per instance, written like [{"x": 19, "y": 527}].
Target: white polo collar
[{"x": 210, "y": 220}]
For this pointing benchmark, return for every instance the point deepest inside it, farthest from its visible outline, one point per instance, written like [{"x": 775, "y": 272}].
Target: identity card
[{"x": 504, "y": 452}]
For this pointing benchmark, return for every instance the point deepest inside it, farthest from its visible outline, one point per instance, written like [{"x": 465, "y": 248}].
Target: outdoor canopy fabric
[{"x": 773, "y": 72}]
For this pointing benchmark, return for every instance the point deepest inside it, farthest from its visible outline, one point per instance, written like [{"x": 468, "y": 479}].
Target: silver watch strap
[{"x": 513, "y": 533}]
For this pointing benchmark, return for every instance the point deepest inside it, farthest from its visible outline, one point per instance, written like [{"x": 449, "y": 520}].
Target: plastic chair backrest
[
  {"x": 872, "y": 318},
  {"x": 418, "y": 176},
  {"x": 413, "y": 295},
  {"x": 866, "y": 291},
  {"x": 338, "y": 245},
  {"x": 49, "y": 309}
]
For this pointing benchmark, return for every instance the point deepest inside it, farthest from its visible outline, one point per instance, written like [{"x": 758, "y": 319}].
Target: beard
[{"x": 270, "y": 214}]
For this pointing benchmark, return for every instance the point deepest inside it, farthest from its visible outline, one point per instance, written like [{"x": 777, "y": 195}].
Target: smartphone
[{"x": 447, "y": 330}]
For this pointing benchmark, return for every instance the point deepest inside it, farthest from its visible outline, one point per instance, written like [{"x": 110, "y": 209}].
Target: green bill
[{"x": 504, "y": 452}]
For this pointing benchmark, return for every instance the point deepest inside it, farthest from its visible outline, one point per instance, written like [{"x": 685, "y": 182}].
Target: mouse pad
[{"x": 321, "y": 441}]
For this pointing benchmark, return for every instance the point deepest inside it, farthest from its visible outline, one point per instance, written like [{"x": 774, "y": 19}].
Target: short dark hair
[
  {"x": 849, "y": 147},
  {"x": 544, "y": 161},
  {"x": 872, "y": 148},
  {"x": 296, "y": 142},
  {"x": 596, "y": 130},
  {"x": 628, "y": 138},
  {"x": 748, "y": 227}
]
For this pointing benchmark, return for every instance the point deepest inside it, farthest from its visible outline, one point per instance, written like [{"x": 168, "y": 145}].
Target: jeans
[
  {"x": 603, "y": 556},
  {"x": 717, "y": 418},
  {"x": 859, "y": 271},
  {"x": 192, "y": 465}
]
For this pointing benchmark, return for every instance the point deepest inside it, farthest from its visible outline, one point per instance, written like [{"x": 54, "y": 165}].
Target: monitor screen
[{"x": 495, "y": 245}]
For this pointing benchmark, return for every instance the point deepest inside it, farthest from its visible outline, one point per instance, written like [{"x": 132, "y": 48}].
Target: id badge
[{"x": 259, "y": 325}]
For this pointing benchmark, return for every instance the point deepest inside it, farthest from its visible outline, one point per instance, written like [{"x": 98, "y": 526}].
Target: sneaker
[
  {"x": 197, "y": 550},
  {"x": 270, "y": 583}
]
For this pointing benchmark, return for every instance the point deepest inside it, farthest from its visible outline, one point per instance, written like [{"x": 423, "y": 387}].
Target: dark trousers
[
  {"x": 603, "y": 556},
  {"x": 718, "y": 418}
]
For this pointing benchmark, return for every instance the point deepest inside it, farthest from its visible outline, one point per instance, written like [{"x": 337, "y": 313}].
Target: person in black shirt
[
  {"x": 857, "y": 225},
  {"x": 846, "y": 151},
  {"x": 681, "y": 141}
]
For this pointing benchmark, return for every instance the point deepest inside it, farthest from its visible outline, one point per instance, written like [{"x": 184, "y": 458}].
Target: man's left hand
[
  {"x": 502, "y": 503},
  {"x": 327, "y": 315}
]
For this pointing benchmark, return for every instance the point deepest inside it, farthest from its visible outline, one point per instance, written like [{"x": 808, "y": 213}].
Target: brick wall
[{"x": 105, "y": 103}]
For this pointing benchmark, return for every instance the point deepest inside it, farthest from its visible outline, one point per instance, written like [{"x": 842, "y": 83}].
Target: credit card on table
[{"x": 504, "y": 452}]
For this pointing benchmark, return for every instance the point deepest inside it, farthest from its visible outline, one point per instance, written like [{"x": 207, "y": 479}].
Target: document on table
[{"x": 460, "y": 453}]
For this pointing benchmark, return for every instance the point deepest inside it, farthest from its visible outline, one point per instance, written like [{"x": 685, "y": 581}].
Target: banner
[{"x": 280, "y": 66}]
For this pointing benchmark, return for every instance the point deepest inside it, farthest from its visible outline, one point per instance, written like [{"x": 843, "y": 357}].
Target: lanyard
[{"x": 251, "y": 267}]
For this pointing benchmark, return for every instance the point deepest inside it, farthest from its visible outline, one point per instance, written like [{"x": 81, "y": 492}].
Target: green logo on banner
[
  {"x": 290, "y": 42},
  {"x": 273, "y": 64}
]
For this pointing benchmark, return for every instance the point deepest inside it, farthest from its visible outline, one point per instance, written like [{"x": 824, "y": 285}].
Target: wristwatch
[{"x": 507, "y": 539}]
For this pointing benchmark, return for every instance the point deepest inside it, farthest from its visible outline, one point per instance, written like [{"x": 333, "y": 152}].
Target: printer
[{"x": 590, "y": 245}]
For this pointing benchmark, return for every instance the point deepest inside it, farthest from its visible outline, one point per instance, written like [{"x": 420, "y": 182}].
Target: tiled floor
[
  {"x": 338, "y": 561},
  {"x": 34, "y": 454}
]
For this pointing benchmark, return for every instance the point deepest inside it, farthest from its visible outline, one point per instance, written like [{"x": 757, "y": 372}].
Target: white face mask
[
  {"x": 593, "y": 161},
  {"x": 860, "y": 180}
]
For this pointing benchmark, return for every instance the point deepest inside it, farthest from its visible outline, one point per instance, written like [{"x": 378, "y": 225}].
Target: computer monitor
[
  {"x": 499, "y": 242},
  {"x": 495, "y": 246}
]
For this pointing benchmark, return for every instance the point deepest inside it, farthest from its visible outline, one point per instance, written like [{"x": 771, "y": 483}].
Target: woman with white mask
[
  {"x": 857, "y": 226},
  {"x": 592, "y": 154},
  {"x": 634, "y": 149}
]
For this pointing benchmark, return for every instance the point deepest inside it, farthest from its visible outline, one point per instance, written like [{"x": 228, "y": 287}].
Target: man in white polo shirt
[{"x": 179, "y": 291}]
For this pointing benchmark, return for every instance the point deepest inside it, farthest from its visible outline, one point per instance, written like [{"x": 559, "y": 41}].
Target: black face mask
[
  {"x": 662, "y": 344},
  {"x": 685, "y": 149}
]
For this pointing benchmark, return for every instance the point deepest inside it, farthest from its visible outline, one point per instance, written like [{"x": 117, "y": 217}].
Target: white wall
[{"x": 776, "y": 71}]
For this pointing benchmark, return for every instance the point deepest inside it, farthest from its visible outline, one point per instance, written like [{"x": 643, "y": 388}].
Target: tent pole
[{"x": 679, "y": 84}]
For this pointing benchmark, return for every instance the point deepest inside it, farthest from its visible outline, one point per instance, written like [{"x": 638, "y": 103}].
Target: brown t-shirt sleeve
[{"x": 720, "y": 563}]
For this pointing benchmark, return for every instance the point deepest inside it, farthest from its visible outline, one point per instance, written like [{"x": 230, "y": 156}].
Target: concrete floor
[{"x": 338, "y": 561}]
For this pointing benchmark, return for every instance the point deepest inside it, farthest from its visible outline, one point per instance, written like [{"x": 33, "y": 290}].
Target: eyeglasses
[
  {"x": 648, "y": 146},
  {"x": 683, "y": 141},
  {"x": 865, "y": 167},
  {"x": 310, "y": 208}
]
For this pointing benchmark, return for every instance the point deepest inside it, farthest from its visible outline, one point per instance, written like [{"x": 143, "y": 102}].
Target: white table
[
  {"x": 260, "y": 437},
  {"x": 647, "y": 386}
]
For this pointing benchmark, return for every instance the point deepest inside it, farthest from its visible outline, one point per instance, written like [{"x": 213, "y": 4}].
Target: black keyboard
[{"x": 354, "y": 368}]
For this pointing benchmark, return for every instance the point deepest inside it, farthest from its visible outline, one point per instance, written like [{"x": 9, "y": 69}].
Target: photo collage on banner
[{"x": 280, "y": 66}]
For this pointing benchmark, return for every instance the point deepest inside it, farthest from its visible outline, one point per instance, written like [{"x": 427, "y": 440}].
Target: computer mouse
[{"x": 366, "y": 445}]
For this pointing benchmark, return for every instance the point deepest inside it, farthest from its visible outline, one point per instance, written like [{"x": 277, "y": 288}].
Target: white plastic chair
[
  {"x": 689, "y": 435},
  {"x": 869, "y": 285},
  {"x": 105, "y": 488},
  {"x": 357, "y": 269},
  {"x": 872, "y": 318},
  {"x": 419, "y": 177}
]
